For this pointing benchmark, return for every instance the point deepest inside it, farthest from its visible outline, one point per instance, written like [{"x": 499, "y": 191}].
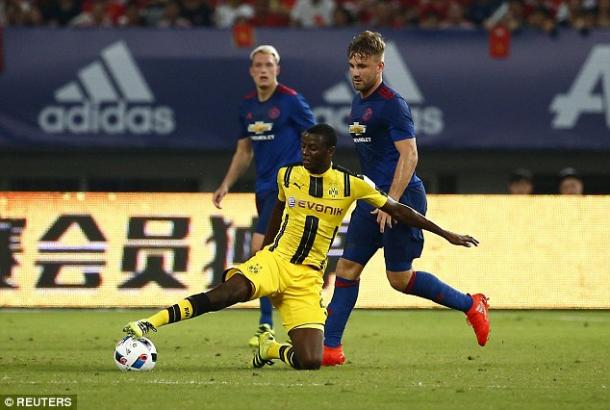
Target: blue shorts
[
  {"x": 265, "y": 202},
  {"x": 401, "y": 243}
]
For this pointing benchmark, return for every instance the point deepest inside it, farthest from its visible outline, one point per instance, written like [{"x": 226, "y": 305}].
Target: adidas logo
[
  {"x": 428, "y": 119},
  {"x": 110, "y": 96}
]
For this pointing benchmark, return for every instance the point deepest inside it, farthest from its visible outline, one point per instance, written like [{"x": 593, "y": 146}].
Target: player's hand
[
  {"x": 461, "y": 240},
  {"x": 220, "y": 193},
  {"x": 383, "y": 219}
]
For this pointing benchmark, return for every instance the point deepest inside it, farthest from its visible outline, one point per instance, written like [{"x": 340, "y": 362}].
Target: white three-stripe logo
[{"x": 97, "y": 80}]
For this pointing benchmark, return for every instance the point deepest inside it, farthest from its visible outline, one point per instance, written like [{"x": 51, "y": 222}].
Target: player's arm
[
  {"x": 411, "y": 217},
  {"x": 405, "y": 167},
  {"x": 302, "y": 114},
  {"x": 274, "y": 223},
  {"x": 239, "y": 164}
]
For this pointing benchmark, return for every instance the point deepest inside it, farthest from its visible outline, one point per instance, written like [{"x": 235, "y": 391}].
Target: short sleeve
[
  {"x": 281, "y": 195},
  {"x": 400, "y": 121},
  {"x": 302, "y": 115},
  {"x": 364, "y": 189}
]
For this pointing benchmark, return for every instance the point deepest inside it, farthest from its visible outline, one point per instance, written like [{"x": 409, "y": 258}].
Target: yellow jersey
[{"x": 315, "y": 207}]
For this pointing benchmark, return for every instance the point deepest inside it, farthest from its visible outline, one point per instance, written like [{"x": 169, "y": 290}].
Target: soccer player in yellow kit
[{"x": 313, "y": 199}]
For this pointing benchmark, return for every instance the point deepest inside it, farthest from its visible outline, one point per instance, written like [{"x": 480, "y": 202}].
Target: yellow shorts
[{"x": 295, "y": 290}]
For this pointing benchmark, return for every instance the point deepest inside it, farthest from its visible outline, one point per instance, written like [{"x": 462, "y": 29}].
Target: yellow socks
[{"x": 180, "y": 311}]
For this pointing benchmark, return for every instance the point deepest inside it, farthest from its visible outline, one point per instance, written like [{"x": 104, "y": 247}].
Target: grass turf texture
[{"x": 397, "y": 359}]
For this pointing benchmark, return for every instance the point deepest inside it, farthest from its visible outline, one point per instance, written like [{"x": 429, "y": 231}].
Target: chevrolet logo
[
  {"x": 259, "y": 127},
  {"x": 357, "y": 128}
]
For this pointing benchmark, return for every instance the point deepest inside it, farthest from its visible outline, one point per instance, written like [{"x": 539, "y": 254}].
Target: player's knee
[
  {"x": 399, "y": 280},
  {"x": 348, "y": 270},
  {"x": 310, "y": 363},
  {"x": 398, "y": 285}
]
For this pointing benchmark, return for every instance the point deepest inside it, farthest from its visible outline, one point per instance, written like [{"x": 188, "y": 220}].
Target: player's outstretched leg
[
  {"x": 237, "y": 289},
  {"x": 265, "y": 323},
  {"x": 428, "y": 286}
]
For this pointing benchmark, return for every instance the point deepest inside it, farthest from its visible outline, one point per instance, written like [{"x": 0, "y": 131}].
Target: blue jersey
[
  {"x": 375, "y": 123},
  {"x": 274, "y": 128}
]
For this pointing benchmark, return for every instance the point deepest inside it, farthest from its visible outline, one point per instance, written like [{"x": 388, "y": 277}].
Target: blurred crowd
[
  {"x": 569, "y": 182},
  {"x": 546, "y": 15}
]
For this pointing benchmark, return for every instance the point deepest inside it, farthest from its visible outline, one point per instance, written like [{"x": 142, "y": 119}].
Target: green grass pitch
[{"x": 413, "y": 359}]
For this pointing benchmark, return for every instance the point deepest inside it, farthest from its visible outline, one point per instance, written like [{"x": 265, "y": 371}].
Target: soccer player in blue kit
[
  {"x": 272, "y": 119},
  {"x": 382, "y": 128}
]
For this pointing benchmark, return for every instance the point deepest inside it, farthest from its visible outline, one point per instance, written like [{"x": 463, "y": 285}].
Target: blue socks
[
  {"x": 422, "y": 284},
  {"x": 266, "y": 311},
  {"x": 428, "y": 286},
  {"x": 341, "y": 305}
]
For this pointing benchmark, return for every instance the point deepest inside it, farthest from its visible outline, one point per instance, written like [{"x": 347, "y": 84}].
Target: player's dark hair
[
  {"x": 325, "y": 131},
  {"x": 367, "y": 43}
]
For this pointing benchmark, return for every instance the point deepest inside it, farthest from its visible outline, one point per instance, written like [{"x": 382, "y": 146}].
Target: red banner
[
  {"x": 499, "y": 41},
  {"x": 243, "y": 35}
]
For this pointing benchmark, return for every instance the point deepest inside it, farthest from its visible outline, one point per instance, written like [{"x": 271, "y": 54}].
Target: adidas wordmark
[{"x": 110, "y": 96}]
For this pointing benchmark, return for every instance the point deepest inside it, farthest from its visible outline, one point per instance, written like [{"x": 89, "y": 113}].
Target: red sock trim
[{"x": 346, "y": 283}]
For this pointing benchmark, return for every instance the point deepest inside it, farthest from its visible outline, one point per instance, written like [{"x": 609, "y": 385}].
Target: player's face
[
  {"x": 571, "y": 186},
  {"x": 521, "y": 187},
  {"x": 264, "y": 70},
  {"x": 365, "y": 72},
  {"x": 316, "y": 155}
]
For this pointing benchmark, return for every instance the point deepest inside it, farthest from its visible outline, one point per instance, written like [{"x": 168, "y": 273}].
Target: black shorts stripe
[
  {"x": 279, "y": 234},
  {"x": 316, "y": 186},
  {"x": 287, "y": 176},
  {"x": 307, "y": 240}
]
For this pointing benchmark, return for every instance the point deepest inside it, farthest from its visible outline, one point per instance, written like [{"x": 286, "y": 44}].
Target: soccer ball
[{"x": 135, "y": 354}]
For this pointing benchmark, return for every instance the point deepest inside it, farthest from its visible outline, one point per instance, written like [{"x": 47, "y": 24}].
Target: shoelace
[
  {"x": 259, "y": 362},
  {"x": 146, "y": 327}
]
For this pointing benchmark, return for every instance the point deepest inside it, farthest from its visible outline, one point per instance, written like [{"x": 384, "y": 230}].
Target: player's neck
[
  {"x": 265, "y": 93},
  {"x": 321, "y": 170},
  {"x": 370, "y": 91}
]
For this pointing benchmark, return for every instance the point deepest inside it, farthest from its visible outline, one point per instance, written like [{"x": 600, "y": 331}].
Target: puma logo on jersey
[{"x": 297, "y": 185}]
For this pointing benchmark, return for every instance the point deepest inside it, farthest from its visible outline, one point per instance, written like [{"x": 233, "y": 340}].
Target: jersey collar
[
  {"x": 373, "y": 94},
  {"x": 322, "y": 174}
]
